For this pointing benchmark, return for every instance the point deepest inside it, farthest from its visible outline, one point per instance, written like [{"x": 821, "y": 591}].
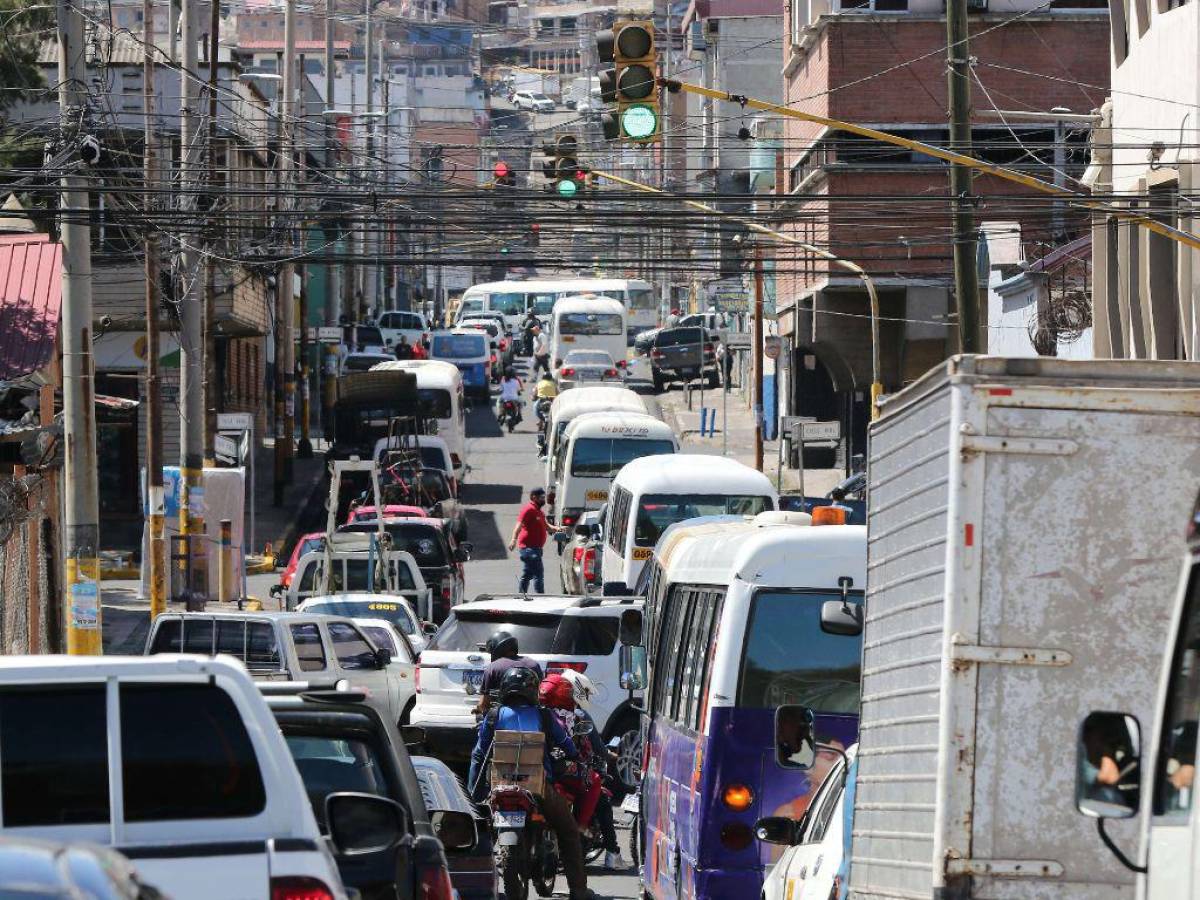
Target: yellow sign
[
  {"x": 596, "y": 495},
  {"x": 568, "y": 338},
  {"x": 642, "y": 552}
]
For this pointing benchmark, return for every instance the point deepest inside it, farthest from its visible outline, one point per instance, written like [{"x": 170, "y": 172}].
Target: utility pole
[
  {"x": 758, "y": 358},
  {"x": 966, "y": 276},
  {"x": 381, "y": 291},
  {"x": 156, "y": 562},
  {"x": 287, "y": 134},
  {"x": 304, "y": 448},
  {"x": 82, "y": 506},
  {"x": 327, "y": 353},
  {"x": 209, "y": 231},
  {"x": 370, "y": 245},
  {"x": 191, "y": 337}
]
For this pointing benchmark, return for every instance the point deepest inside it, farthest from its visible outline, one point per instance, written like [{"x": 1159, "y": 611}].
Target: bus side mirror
[
  {"x": 1108, "y": 766},
  {"x": 795, "y": 744},
  {"x": 630, "y": 632},
  {"x": 633, "y": 667}
]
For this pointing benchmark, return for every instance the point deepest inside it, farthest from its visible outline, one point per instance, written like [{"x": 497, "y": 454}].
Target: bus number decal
[{"x": 642, "y": 552}]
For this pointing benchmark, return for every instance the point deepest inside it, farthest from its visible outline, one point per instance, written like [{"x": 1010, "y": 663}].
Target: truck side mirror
[
  {"x": 1108, "y": 766},
  {"x": 633, "y": 667},
  {"x": 842, "y": 618}
]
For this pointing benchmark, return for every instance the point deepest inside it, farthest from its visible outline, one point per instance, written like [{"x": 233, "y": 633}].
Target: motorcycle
[
  {"x": 510, "y": 414},
  {"x": 542, "y": 410},
  {"x": 526, "y": 848}
]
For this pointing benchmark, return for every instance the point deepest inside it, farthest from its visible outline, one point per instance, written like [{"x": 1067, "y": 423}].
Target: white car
[
  {"x": 364, "y": 362},
  {"x": 558, "y": 632},
  {"x": 534, "y": 100},
  {"x": 394, "y": 323},
  {"x": 815, "y": 864},
  {"x": 391, "y": 608}
]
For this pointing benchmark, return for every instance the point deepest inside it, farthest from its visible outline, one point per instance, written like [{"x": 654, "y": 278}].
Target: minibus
[
  {"x": 440, "y": 388},
  {"x": 469, "y": 350},
  {"x": 576, "y": 402},
  {"x": 588, "y": 323}
]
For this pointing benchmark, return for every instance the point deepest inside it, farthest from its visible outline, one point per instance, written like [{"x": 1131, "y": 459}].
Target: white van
[
  {"x": 594, "y": 447},
  {"x": 440, "y": 385},
  {"x": 588, "y": 323},
  {"x": 654, "y": 492},
  {"x": 570, "y": 404}
]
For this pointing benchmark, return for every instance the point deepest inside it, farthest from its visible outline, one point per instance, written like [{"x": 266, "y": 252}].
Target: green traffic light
[
  {"x": 503, "y": 251},
  {"x": 566, "y": 187},
  {"x": 639, "y": 122}
]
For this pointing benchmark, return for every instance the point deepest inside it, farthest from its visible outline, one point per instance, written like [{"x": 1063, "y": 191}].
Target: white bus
[
  {"x": 440, "y": 387},
  {"x": 652, "y": 493},
  {"x": 589, "y": 323},
  {"x": 515, "y": 298}
]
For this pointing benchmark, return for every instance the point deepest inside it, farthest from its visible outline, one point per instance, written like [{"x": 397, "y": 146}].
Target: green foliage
[{"x": 24, "y": 25}]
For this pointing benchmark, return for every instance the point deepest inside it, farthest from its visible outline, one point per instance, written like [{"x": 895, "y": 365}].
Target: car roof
[
  {"x": 431, "y": 373},
  {"x": 618, "y": 423},
  {"x": 689, "y": 473},
  {"x": 53, "y": 667},
  {"x": 599, "y": 398},
  {"x": 545, "y": 603},
  {"x": 581, "y": 304}
]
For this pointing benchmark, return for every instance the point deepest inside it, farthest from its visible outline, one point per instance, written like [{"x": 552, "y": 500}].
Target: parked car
[
  {"x": 683, "y": 354},
  {"x": 308, "y": 543},
  {"x": 195, "y": 787},
  {"x": 817, "y": 859},
  {"x": 341, "y": 746},
  {"x": 532, "y": 100},
  {"x": 363, "y": 361},
  {"x": 579, "y": 564},
  {"x": 394, "y": 323},
  {"x": 588, "y": 367},
  {"x": 45, "y": 870},
  {"x": 438, "y": 554},
  {"x": 473, "y": 868},
  {"x": 715, "y": 322},
  {"x": 291, "y": 646},
  {"x": 364, "y": 339},
  {"x": 389, "y": 607},
  {"x": 558, "y": 631}
]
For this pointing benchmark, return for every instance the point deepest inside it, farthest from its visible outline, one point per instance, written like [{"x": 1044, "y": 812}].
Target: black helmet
[
  {"x": 502, "y": 644},
  {"x": 510, "y": 372},
  {"x": 520, "y": 684}
]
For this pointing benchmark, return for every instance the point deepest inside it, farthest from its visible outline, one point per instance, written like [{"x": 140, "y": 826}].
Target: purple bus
[{"x": 746, "y": 624}]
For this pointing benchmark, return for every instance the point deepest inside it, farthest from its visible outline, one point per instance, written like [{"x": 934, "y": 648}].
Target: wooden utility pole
[
  {"x": 958, "y": 77},
  {"x": 211, "y": 379},
  {"x": 327, "y": 353},
  {"x": 156, "y": 572},
  {"x": 758, "y": 358},
  {"x": 81, "y": 502},
  {"x": 288, "y": 136}
]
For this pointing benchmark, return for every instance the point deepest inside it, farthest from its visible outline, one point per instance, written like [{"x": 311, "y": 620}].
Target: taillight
[
  {"x": 455, "y": 460},
  {"x": 417, "y": 679},
  {"x": 569, "y": 519},
  {"x": 736, "y": 836},
  {"x": 610, "y": 373},
  {"x": 657, "y": 354},
  {"x": 299, "y": 887},
  {"x": 493, "y": 359},
  {"x": 708, "y": 348},
  {"x": 557, "y": 667},
  {"x": 621, "y": 363},
  {"x": 567, "y": 371},
  {"x": 446, "y": 592},
  {"x": 435, "y": 884},
  {"x": 578, "y": 555},
  {"x": 589, "y": 564}
]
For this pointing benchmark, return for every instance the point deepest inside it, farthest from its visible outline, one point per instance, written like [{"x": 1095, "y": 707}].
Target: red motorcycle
[{"x": 510, "y": 414}]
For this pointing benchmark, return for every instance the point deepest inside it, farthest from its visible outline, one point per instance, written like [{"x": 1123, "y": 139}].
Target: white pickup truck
[
  {"x": 293, "y": 646},
  {"x": 176, "y": 762}
]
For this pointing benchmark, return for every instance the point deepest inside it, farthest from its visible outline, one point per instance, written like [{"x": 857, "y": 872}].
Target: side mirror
[
  {"x": 795, "y": 744},
  {"x": 413, "y": 735},
  {"x": 456, "y": 830},
  {"x": 429, "y": 629},
  {"x": 1108, "y": 766},
  {"x": 465, "y": 551},
  {"x": 630, "y": 631},
  {"x": 776, "y": 830},
  {"x": 633, "y": 667},
  {"x": 364, "y": 823},
  {"x": 383, "y": 658},
  {"x": 842, "y": 618},
  {"x": 276, "y": 590}
]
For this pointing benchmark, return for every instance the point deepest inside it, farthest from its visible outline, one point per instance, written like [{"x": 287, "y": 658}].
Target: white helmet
[{"x": 582, "y": 688}]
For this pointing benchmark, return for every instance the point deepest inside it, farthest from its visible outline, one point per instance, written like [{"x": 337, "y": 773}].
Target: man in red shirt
[{"x": 529, "y": 537}]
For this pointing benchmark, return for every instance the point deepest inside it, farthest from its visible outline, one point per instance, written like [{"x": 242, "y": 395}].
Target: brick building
[{"x": 882, "y": 63}]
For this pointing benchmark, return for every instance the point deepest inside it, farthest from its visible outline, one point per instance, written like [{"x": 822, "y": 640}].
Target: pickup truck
[
  {"x": 292, "y": 646},
  {"x": 393, "y": 572},
  {"x": 684, "y": 354}
]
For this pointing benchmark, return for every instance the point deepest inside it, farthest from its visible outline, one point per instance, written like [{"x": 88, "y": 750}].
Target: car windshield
[
  {"x": 459, "y": 346},
  {"x": 396, "y": 613},
  {"x": 369, "y": 335},
  {"x": 470, "y": 629},
  {"x": 512, "y": 304},
  {"x": 594, "y": 457},
  {"x": 406, "y": 320},
  {"x": 674, "y": 336},
  {"x": 539, "y": 97},
  {"x": 824, "y": 677},
  {"x": 641, "y": 298},
  {"x": 362, "y": 362},
  {"x": 311, "y": 545},
  {"x": 435, "y": 402},
  {"x": 658, "y": 511},
  {"x": 330, "y": 765},
  {"x": 354, "y": 575},
  {"x": 589, "y": 358},
  {"x": 591, "y": 323}
]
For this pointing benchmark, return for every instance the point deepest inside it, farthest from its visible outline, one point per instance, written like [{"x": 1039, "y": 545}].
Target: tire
[
  {"x": 511, "y": 862},
  {"x": 547, "y": 869},
  {"x": 629, "y": 752},
  {"x": 511, "y": 425}
]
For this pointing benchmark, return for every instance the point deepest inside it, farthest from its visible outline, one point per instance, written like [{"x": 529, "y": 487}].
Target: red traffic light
[{"x": 501, "y": 170}]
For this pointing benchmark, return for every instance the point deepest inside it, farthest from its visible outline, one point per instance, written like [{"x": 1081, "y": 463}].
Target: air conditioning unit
[
  {"x": 977, "y": 5},
  {"x": 697, "y": 39}
]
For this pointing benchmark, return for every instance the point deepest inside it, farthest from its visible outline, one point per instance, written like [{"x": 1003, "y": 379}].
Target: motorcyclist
[
  {"x": 583, "y": 789},
  {"x": 510, "y": 391},
  {"x": 530, "y": 322},
  {"x": 519, "y": 711},
  {"x": 545, "y": 392},
  {"x": 506, "y": 655}
]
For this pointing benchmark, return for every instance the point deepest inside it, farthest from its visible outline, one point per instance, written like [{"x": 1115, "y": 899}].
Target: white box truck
[{"x": 1023, "y": 546}]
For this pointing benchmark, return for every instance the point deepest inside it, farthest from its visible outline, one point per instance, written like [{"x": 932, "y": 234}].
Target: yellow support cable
[{"x": 1176, "y": 234}]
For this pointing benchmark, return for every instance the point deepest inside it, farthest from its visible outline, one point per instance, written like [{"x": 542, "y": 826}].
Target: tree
[{"x": 24, "y": 25}]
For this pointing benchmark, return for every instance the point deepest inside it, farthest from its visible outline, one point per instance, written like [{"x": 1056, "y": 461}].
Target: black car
[
  {"x": 472, "y": 869},
  {"x": 438, "y": 554},
  {"x": 342, "y": 746},
  {"x": 684, "y": 354}
]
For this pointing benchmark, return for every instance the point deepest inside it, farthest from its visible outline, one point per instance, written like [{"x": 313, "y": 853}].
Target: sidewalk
[
  {"x": 280, "y": 525},
  {"x": 738, "y": 440}
]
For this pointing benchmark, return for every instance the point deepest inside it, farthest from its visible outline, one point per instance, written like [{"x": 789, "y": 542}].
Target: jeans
[
  {"x": 541, "y": 361},
  {"x": 532, "y": 571},
  {"x": 604, "y": 821}
]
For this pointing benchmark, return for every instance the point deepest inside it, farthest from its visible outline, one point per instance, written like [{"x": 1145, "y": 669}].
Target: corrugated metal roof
[{"x": 30, "y": 298}]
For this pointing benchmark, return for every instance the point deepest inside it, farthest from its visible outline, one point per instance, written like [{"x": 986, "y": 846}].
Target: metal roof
[{"x": 30, "y": 300}]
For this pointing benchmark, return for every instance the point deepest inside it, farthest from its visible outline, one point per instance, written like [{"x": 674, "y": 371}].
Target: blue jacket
[{"x": 522, "y": 718}]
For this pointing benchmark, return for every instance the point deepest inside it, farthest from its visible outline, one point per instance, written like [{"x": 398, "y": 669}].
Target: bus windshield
[
  {"x": 641, "y": 298},
  {"x": 824, "y": 677},
  {"x": 509, "y": 304},
  {"x": 543, "y": 304},
  {"x": 657, "y": 511},
  {"x": 606, "y": 456},
  {"x": 435, "y": 402},
  {"x": 590, "y": 323}
]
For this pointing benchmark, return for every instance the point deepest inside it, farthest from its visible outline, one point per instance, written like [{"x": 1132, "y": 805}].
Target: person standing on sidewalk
[{"x": 529, "y": 538}]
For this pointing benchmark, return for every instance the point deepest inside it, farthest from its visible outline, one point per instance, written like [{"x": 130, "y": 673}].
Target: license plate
[
  {"x": 632, "y": 804},
  {"x": 596, "y": 495},
  {"x": 473, "y": 679},
  {"x": 508, "y": 820}
]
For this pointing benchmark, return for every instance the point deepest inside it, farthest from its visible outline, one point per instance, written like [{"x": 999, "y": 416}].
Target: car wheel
[{"x": 629, "y": 752}]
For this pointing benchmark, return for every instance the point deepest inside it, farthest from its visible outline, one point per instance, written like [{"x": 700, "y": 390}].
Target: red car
[
  {"x": 308, "y": 543},
  {"x": 390, "y": 511}
]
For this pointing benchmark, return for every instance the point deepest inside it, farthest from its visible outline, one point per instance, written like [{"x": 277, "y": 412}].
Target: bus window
[
  {"x": 699, "y": 652},
  {"x": 789, "y": 660},
  {"x": 594, "y": 457},
  {"x": 641, "y": 298},
  {"x": 543, "y": 304},
  {"x": 510, "y": 304},
  {"x": 1174, "y": 782},
  {"x": 590, "y": 323},
  {"x": 657, "y": 511}
]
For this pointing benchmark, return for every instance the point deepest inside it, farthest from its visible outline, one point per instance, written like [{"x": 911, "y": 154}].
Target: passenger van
[
  {"x": 440, "y": 389},
  {"x": 746, "y": 625},
  {"x": 588, "y": 323},
  {"x": 570, "y": 404},
  {"x": 594, "y": 447},
  {"x": 469, "y": 350},
  {"x": 652, "y": 493}
]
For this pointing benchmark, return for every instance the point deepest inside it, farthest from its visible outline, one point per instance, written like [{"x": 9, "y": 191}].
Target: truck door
[{"x": 356, "y": 658}]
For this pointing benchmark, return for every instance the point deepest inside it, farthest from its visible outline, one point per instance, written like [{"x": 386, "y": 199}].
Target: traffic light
[
  {"x": 504, "y": 178},
  {"x": 561, "y": 166},
  {"x": 631, "y": 83}
]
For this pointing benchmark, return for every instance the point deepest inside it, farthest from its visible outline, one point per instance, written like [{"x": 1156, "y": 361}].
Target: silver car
[{"x": 589, "y": 367}]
